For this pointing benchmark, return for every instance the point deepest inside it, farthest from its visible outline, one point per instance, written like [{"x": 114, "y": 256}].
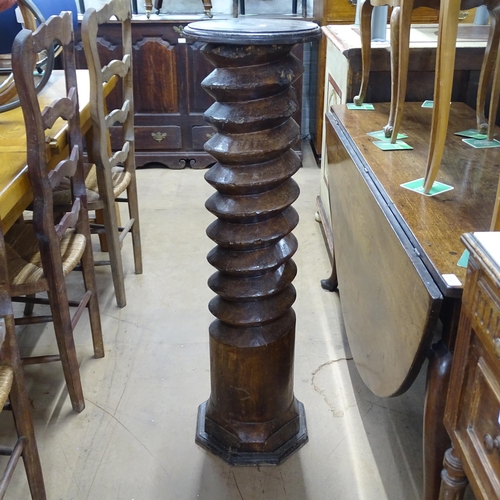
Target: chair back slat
[
  {"x": 55, "y": 28},
  {"x": 121, "y": 11},
  {"x": 118, "y": 115},
  {"x": 69, "y": 219},
  {"x": 61, "y": 108},
  {"x": 65, "y": 168},
  {"x": 120, "y": 156},
  {"x": 116, "y": 67}
]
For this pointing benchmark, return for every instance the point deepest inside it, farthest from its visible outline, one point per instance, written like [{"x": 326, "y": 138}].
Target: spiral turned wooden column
[{"x": 252, "y": 416}]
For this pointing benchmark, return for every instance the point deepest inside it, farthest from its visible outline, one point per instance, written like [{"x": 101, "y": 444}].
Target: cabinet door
[{"x": 155, "y": 76}]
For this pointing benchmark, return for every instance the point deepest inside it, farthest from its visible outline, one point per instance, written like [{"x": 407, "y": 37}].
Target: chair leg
[
  {"x": 99, "y": 219},
  {"x": 111, "y": 226},
  {"x": 405, "y": 13},
  {"x": 495, "y": 220},
  {"x": 133, "y": 207},
  {"x": 496, "y": 78},
  {"x": 453, "y": 478},
  {"x": 395, "y": 23},
  {"x": 366, "y": 49},
  {"x": 29, "y": 306},
  {"x": 88, "y": 271},
  {"x": 489, "y": 58},
  {"x": 22, "y": 416},
  {"x": 66, "y": 345},
  {"x": 445, "y": 66}
]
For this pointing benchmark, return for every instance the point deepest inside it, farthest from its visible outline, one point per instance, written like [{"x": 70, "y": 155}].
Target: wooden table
[
  {"x": 396, "y": 251},
  {"x": 15, "y": 188}
]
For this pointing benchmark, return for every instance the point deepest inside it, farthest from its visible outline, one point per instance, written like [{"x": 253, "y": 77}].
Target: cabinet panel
[
  {"x": 155, "y": 71},
  {"x": 472, "y": 416},
  {"x": 198, "y": 68}
]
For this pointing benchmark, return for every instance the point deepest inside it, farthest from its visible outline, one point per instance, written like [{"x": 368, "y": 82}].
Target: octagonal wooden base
[{"x": 244, "y": 458}]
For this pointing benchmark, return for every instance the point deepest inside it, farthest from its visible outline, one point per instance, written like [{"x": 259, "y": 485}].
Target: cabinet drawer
[
  {"x": 479, "y": 419},
  {"x": 485, "y": 318},
  {"x": 201, "y": 135},
  {"x": 150, "y": 138},
  {"x": 153, "y": 138}
]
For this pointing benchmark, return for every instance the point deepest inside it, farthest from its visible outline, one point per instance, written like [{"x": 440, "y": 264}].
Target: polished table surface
[
  {"x": 433, "y": 224},
  {"x": 15, "y": 188},
  {"x": 397, "y": 251}
]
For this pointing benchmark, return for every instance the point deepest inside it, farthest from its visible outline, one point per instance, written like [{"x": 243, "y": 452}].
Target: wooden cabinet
[
  {"x": 169, "y": 100},
  {"x": 472, "y": 415}
]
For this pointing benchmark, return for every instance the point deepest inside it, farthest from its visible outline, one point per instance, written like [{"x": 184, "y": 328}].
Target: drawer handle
[
  {"x": 180, "y": 30},
  {"x": 158, "y": 136},
  {"x": 491, "y": 444}
]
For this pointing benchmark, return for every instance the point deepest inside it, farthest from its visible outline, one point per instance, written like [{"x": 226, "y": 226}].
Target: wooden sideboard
[
  {"x": 472, "y": 416},
  {"x": 169, "y": 100}
]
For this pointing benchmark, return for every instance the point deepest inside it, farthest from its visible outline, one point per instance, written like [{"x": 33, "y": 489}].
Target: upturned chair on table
[
  {"x": 400, "y": 43},
  {"x": 13, "y": 388},
  {"x": 113, "y": 174},
  {"x": 40, "y": 254}
]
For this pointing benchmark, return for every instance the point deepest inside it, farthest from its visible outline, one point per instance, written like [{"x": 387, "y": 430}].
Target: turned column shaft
[{"x": 252, "y": 415}]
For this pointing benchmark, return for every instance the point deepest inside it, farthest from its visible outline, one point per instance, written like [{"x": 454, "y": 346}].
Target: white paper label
[{"x": 452, "y": 280}]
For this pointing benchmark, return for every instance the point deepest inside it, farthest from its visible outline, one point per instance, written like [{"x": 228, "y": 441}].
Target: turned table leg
[
  {"x": 436, "y": 440},
  {"x": 252, "y": 416},
  {"x": 331, "y": 283},
  {"x": 453, "y": 478}
]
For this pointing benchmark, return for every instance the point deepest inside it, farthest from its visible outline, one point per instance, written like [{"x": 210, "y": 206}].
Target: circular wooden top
[{"x": 253, "y": 31}]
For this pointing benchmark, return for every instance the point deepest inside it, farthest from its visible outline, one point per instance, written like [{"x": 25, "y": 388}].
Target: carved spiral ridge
[{"x": 254, "y": 188}]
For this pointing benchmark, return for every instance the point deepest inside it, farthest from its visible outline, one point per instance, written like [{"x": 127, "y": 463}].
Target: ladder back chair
[
  {"x": 113, "y": 174},
  {"x": 40, "y": 254},
  {"x": 13, "y": 388}
]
